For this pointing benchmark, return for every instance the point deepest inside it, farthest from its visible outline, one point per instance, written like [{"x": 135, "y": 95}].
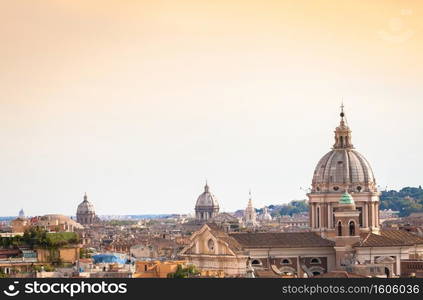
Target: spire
[
  {"x": 250, "y": 199},
  {"x": 342, "y": 133},
  {"x": 206, "y": 187},
  {"x": 85, "y": 197}
]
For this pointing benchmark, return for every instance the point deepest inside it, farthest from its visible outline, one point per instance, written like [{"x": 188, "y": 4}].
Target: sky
[{"x": 137, "y": 103}]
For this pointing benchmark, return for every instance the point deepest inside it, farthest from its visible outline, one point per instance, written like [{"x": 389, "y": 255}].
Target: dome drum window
[
  {"x": 256, "y": 262},
  {"x": 315, "y": 261}
]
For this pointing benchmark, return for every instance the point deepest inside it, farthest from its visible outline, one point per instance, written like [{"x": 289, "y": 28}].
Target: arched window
[
  {"x": 256, "y": 262},
  {"x": 286, "y": 261},
  {"x": 315, "y": 261},
  {"x": 339, "y": 228},
  {"x": 352, "y": 228}
]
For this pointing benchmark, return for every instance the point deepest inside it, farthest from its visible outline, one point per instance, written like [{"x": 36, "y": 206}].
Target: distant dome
[
  {"x": 266, "y": 215},
  {"x": 206, "y": 199},
  {"x": 206, "y": 206},
  {"x": 85, "y": 213},
  {"x": 59, "y": 220},
  {"x": 85, "y": 207},
  {"x": 343, "y": 168}
]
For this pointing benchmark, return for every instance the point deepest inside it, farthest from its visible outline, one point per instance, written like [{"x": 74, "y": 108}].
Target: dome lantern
[{"x": 343, "y": 133}]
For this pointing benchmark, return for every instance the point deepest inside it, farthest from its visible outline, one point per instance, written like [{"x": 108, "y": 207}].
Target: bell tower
[{"x": 347, "y": 229}]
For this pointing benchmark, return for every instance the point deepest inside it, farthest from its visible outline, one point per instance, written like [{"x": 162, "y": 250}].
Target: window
[
  {"x": 352, "y": 228},
  {"x": 339, "y": 228},
  {"x": 315, "y": 261},
  {"x": 318, "y": 217},
  {"x": 286, "y": 261},
  {"x": 360, "y": 216},
  {"x": 210, "y": 244},
  {"x": 335, "y": 188},
  {"x": 359, "y": 188},
  {"x": 256, "y": 262}
]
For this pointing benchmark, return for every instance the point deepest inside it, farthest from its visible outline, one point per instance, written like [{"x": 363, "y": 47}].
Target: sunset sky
[{"x": 138, "y": 102}]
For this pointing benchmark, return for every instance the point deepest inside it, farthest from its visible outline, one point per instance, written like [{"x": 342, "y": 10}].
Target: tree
[
  {"x": 405, "y": 201},
  {"x": 182, "y": 272}
]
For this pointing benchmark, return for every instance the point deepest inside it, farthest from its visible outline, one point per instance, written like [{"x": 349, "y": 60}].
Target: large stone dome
[
  {"x": 85, "y": 213},
  {"x": 85, "y": 207},
  {"x": 343, "y": 168},
  {"x": 206, "y": 199},
  {"x": 206, "y": 206}
]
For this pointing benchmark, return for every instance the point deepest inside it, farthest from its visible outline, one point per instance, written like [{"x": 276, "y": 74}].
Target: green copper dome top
[{"x": 346, "y": 199}]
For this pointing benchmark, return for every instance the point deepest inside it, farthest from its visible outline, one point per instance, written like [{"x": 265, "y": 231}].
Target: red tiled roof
[
  {"x": 376, "y": 240},
  {"x": 281, "y": 239},
  {"x": 403, "y": 236}
]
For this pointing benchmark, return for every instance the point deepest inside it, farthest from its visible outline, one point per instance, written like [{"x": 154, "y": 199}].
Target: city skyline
[{"x": 137, "y": 103}]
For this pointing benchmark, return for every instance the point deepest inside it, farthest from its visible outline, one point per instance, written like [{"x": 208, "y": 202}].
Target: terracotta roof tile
[
  {"x": 403, "y": 236},
  {"x": 376, "y": 240},
  {"x": 280, "y": 239}
]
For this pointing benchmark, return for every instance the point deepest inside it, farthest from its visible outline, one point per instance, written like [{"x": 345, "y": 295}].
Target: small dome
[
  {"x": 346, "y": 199},
  {"x": 85, "y": 207},
  {"x": 206, "y": 199}
]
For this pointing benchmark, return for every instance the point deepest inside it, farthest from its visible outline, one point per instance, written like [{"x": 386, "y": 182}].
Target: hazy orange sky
[{"x": 137, "y": 102}]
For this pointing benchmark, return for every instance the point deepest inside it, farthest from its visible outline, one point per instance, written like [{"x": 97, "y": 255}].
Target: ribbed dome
[
  {"x": 206, "y": 199},
  {"x": 85, "y": 207},
  {"x": 343, "y": 168}
]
